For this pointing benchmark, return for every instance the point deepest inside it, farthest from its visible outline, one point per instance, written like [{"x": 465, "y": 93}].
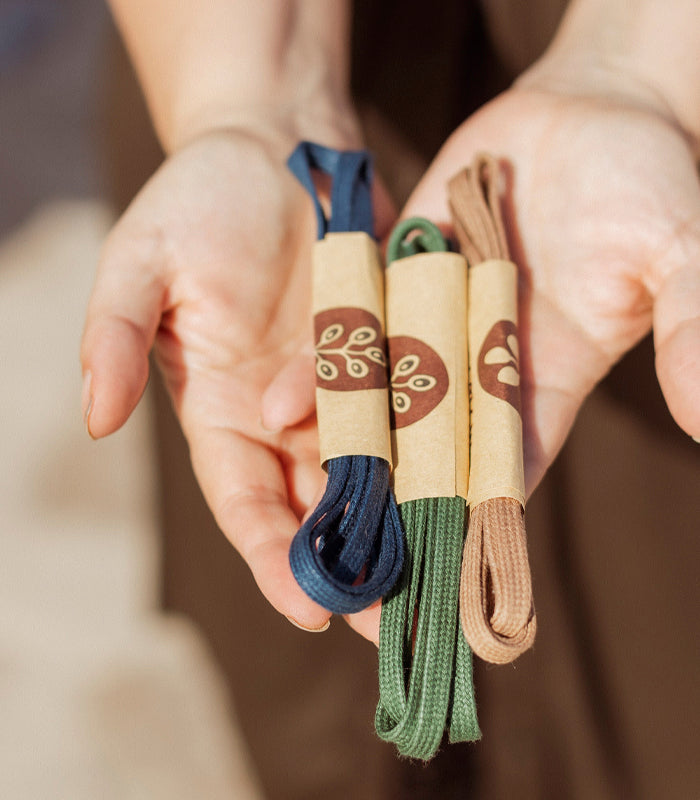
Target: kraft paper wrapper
[
  {"x": 347, "y": 274},
  {"x": 427, "y": 300},
  {"x": 496, "y": 423}
]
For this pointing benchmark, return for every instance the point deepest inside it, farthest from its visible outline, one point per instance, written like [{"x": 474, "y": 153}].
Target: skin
[{"x": 604, "y": 222}]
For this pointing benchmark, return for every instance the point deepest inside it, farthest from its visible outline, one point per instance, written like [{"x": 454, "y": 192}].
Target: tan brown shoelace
[{"x": 496, "y": 606}]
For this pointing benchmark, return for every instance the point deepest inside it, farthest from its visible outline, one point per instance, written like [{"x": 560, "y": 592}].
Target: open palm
[
  {"x": 603, "y": 216},
  {"x": 211, "y": 263}
]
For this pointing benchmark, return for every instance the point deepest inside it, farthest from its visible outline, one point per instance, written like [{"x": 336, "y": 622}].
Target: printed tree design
[
  {"x": 404, "y": 377},
  {"x": 356, "y": 359},
  {"x": 350, "y": 350},
  {"x": 419, "y": 380},
  {"x": 499, "y": 363}
]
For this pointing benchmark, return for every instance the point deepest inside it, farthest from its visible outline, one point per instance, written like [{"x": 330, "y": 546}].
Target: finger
[
  {"x": 122, "y": 318},
  {"x": 291, "y": 396},
  {"x": 559, "y": 367},
  {"x": 677, "y": 342},
  {"x": 297, "y": 451},
  {"x": 245, "y": 487},
  {"x": 366, "y": 622}
]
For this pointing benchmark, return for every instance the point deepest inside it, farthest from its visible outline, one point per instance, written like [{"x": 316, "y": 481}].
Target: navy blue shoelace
[{"x": 350, "y": 550}]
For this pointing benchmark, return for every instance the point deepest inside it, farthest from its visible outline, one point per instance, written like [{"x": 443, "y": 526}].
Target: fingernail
[
  {"x": 696, "y": 439},
  {"x": 269, "y": 430},
  {"x": 86, "y": 401},
  {"x": 310, "y": 630}
]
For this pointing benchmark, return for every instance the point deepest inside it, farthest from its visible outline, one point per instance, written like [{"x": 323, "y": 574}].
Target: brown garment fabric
[
  {"x": 606, "y": 703},
  {"x": 604, "y": 706}
]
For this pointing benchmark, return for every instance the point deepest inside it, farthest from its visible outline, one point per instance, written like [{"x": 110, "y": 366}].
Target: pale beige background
[{"x": 101, "y": 694}]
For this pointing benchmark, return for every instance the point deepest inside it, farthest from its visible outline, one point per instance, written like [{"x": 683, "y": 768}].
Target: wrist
[
  {"x": 281, "y": 125},
  {"x": 300, "y": 93},
  {"x": 224, "y": 64},
  {"x": 643, "y": 55}
]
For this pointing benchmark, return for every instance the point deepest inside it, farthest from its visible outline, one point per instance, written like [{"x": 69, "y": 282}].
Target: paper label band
[
  {"x": 427, "y": 335},
  {"x": 352, "y": 399},
  {"x": 496, "y": 422}
]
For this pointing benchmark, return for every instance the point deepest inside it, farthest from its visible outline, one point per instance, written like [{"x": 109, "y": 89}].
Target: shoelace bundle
[
  {"x": 425, "y": 663},
  {"x": 496, "y": 605},
  {"x": 350, "y": 550}
]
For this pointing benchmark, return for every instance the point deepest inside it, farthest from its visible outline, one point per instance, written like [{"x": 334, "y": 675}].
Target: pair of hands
[{"x": 211, "y": 265}]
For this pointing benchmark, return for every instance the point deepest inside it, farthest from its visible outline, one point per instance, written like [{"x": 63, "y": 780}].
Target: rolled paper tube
[
  {"x": 427, "y": 327},
  {"x": 352, "y": 394},
  {"x": 496, "y": 607},
  {"x": 425, "y": 663},
  {"x": 497, "y": 428}
]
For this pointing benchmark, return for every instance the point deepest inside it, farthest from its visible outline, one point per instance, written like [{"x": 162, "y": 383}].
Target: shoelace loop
[
  {"x": 350, "y": 550},
  {"x": 496, "y": 605},
  {"x": 425, "y": 664}
]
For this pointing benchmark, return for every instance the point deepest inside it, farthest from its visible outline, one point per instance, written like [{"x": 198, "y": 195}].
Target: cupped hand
[
  {"x": 603, "y": 217},
  {"x": 210, "y": 265}
]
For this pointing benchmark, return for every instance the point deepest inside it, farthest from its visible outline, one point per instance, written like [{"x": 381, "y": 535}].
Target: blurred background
[
  {"x": 137, "y": 659},
  {"x": 102, "y": 694}
]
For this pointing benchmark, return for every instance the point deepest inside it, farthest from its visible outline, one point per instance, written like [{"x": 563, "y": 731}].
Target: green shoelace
[
  {"x": 425, "y": 664},
  {"x": 426, "y": 685}
]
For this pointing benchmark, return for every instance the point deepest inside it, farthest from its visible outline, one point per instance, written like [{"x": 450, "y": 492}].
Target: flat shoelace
[
  {"x": 496, "y": 605},
  {"x": 425, "y": 668},
  {"x": 350, "y": 550},
  {"x": 425, "y": 664}
]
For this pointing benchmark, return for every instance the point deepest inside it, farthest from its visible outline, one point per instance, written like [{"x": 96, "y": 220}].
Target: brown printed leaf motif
[
  {"x": 498, "y": 366},
  {"x": 350, "y": 350},
  {"x": 419, "y": 380}
]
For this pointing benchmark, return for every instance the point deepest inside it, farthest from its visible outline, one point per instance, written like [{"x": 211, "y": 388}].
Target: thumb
[
  {"x": 677, "y": 343},
  {"x": 122, "y": 318},
  {"x": 291, "y": 395}
]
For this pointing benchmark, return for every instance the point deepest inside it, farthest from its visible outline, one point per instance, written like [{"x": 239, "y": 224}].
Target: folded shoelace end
[{"x": 496, "y": 606}]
